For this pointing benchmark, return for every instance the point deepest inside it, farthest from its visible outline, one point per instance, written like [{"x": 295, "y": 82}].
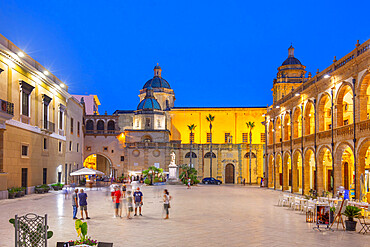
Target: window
[
  {"x": 345, "y": 122},
  {"x": 112, "y": 151},
  {"x": 187, "y": 155},
  {"x": 46, "y": 102},
  {"x": 45, "y": 144},
  {"x": 78, "y": 147},
  {"x": 25, "y": 150},
  {"x": 191, "y": 137},
  {"x": 100, "y": 126},
  {"x": 59, "y": 147},
  {"x": 159, "y": 123},
  {"x": 25, "y": 104},
  {"x": 70, "y": 146},
  {"x": 78, "y": 129},
  {"x": 26, "y": 90},
  {"x": 44, "y": 175},
  {"x": 61, "y": 116},
  {"x": 208, "y": 155},
  {"x": 227, "y": 137},
  {"x": 147, "y": 122},
  {"x": 122, "y": 158},
  {"x": 209, "y": 137},
  {"x": 71, "y": 126},
  {"x": 245, "y": 137},
  {"x": 105, "y": 148},
  {"x": 263, "y": 137},
  {"x": 88, "y": 148},
  {"x": 111, "y": 126}
]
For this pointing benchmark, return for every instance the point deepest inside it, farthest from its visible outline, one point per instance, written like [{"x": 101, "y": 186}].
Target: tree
[
  {"x": 210, "y": 119},
  {"x": 153, "y": 174},
  {"x": 191, "y": 128},
  {"x": 188, "y": 172},
  {"x": 250, "y": 126}
]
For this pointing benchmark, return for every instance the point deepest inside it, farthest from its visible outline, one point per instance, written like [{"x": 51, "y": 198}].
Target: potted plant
[
  {"x": 39, "y": 189},
  {"x": 19, "y": 192},
  {"x": 46, "y": 188},
  {"x": 351, "y": 212},
  {"x": 57, "y": 186},
  {"x": 11, "y": 193},
  {"x": 81, "y": 228}
]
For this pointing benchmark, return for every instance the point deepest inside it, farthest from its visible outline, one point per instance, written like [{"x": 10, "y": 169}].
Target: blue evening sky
[{"x": 213, "y": 53}]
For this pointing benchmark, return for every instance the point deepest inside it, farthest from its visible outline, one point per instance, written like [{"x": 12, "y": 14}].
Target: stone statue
[{"x": 173, "y": 158}]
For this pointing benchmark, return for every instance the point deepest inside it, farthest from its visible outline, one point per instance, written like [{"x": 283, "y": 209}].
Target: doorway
[
  {"x": 229, "y": 174},
  {"x": 24, "y": 178}
]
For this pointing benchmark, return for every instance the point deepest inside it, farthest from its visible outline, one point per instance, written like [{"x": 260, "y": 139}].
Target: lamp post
[{"x": 332, "y": 138}]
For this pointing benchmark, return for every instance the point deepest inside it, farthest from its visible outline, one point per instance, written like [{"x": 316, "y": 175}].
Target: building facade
[
  {"x": 318, "y": 132},
  {"x": 32, "y": 121},
  {"x": 133, "y": 140}
]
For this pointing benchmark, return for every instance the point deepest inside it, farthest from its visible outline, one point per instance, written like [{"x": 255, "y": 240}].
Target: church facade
[{"x": 148, "y": 135}]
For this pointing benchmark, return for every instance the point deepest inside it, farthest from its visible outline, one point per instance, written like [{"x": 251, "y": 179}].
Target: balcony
[
  {"x": 6, "y": 110},
  {"x": 47, "y": 126},
  {"x": 103, "y": 132}
]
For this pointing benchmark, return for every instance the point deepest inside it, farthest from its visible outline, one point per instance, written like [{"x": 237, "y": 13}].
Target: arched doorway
[
  {"x": 229, "y": 174},
  {"x": 99, "y": 162}
]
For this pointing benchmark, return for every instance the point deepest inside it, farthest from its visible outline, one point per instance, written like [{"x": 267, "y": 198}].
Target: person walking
[
  {"x": 117, "y": 201},
  {"x": 166, "y": 203},
  {"x": 83, "y": 204},
  {"x": 75, "y": 203},
  {"x": 138, "y": 197},
  {"x": 244, "y": 181},
  {"x": 189, "y": 183},
  {"x": 130, "y": 207}
]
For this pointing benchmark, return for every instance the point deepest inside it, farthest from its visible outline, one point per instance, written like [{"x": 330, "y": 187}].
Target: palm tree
[
  {"x": 250, "y": 126},
  {"x": 191, "y": 128},
  {"x": 210, "y": 119}
]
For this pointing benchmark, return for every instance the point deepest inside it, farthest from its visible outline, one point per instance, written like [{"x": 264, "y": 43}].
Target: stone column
[
  {"x": 219, "y": 165},
  {"x": 2, "y": 150}
]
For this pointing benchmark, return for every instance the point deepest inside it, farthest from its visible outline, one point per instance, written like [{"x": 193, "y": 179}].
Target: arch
[
  {"x": 297, "y": 170},
  {"x": 271, "y": 171},
  {"x": 100, "y": 126},
  {"x": 146, "y": 138},
  {"x": 364, "y": 96},
  {"x": 246, "y": 155},
  {"x": 100, "y": 162},
  {"x": 193, "y": 155},
  {"x": 287, "y": 127},
  {"x": 278, "y": 171},
  {"x": 229, "y": 174},
  {"x": 271, "y": 132},
  {"x": 343, "y": 166},
  {"x": 363, "y": 157},
  {"x": 111, "y": 125},
  {"x": 287, "y": 166},
  {"x": 89, "y": 126},
  {"x": 324, "y": 170},
  {"x": 208, "y": 155},
  {"x": 309, "y": 170},
  {"x": 297, "y": 122},
  {"x": 344, "y": 104},
  {"x": 309, "y": 118},
  {"x": 324, "y": 112},
  {"x": 278, "y": 130}
]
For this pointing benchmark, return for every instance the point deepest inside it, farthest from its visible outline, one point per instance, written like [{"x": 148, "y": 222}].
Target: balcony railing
[
  {"x": 103, "y": 132},
  {"x": 48, "y": 126},
  {"x": 7, "y": 107}
]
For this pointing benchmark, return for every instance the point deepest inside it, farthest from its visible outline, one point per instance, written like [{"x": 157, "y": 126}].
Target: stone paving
[{"x": 226, "y": 215}]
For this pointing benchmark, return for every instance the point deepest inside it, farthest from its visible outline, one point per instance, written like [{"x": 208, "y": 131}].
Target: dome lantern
[{"x": 157, "y": 71}]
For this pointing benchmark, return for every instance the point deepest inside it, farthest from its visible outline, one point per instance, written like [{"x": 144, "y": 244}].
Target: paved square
[{"x": 202, "y": 216}]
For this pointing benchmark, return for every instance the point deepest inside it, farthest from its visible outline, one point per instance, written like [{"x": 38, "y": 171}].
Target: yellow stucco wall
[{"x": 227, "y": 120}]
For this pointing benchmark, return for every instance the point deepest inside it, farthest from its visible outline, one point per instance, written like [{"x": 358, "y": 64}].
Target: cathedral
[{"x": 148, "y": 135}]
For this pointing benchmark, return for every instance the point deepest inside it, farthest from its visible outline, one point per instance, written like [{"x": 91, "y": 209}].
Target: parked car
[{"x": 211, "y": 181}]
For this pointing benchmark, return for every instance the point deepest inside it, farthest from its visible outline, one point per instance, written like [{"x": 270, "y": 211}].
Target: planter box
[
  {"x": 350, "y": 225},
  {"x": 19, "y": 194},
  {"x": 11, "y": 195}
]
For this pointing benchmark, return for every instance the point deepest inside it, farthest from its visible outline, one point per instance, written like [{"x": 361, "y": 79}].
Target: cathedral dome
[
  {"x": 157, "y": 81},
  {"x": 149, "y": 103},
  {"x": 291, "y": 61}
]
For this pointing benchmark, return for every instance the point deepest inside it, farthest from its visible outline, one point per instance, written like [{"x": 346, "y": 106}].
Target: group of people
[
  {"x": 120, "y": 196},
  {"x": 79, "y": 200}
]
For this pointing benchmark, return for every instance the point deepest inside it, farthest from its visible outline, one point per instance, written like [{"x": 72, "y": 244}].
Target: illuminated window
[
  {"x": 245, "y": 137},
  {"x": 71, "y": 126},
  {"x": 227, "y": 137},
  {"x": 263, "y": 137}
]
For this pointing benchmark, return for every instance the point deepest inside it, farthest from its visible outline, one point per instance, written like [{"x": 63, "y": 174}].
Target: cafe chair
[
  {"x": 365, "y": 225},
  {"x": 103, "y": 244}
]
